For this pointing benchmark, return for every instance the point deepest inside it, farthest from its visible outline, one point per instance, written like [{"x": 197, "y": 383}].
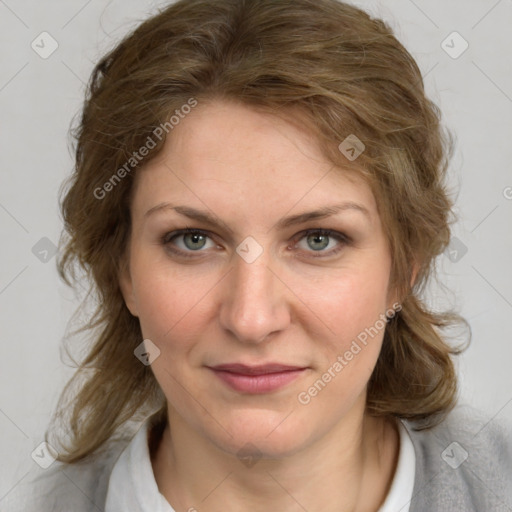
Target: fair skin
[{"x": 298, "y": 303}]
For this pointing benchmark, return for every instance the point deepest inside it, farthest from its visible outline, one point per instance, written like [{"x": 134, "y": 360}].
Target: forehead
[{"x": 225, "y": 153}]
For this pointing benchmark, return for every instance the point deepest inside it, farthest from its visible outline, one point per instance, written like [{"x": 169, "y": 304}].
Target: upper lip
[{"x": 260, "y": 369}]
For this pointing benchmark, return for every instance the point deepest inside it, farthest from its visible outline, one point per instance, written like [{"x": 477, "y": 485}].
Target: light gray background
[{"x": 39, "y": 97}]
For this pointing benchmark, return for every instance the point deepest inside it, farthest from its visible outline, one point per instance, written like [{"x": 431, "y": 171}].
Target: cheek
[
  {"x": 348, "y": 350},
  {"x": 170, "y": 303},
  {"x": 172, "y": 314},
  {"x": 351, "y": 308},
  {"x": 349, "y": 302}
]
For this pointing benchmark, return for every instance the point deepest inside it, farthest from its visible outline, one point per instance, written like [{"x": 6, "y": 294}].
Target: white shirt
[{"x": 132, "y": 486}]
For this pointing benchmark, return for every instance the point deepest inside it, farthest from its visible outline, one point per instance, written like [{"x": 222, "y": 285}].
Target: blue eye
[
  {"x": 194, "y": 240},
  {"x": 319, "y": 239}
]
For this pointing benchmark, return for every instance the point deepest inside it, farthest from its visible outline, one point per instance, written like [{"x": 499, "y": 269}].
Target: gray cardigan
[{"x": 464, "y": 465}]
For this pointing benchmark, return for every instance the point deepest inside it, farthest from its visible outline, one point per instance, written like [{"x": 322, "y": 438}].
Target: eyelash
[{"x": 341, "y": 237}]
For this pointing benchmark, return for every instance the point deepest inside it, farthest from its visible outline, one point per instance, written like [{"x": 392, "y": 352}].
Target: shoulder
[
  {"x": 81, "y": 486},
  {"x": 464, "y": 463}
]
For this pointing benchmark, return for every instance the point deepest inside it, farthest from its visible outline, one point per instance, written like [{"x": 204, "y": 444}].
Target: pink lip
[{"x": 257, "y": 379}]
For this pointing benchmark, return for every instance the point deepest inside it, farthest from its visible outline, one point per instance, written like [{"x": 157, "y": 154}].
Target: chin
[{"x": 261, "y": 433}]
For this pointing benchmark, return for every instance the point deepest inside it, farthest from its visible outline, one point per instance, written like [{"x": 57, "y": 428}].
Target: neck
[{"x": 353, "y": 469}]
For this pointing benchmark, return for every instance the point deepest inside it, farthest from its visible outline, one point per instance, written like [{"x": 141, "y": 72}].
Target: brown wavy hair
[{"x": 346, "y": 73}]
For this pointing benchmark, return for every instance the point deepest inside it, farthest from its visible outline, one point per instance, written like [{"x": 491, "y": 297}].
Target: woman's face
[{"x": 252, "y": 287}]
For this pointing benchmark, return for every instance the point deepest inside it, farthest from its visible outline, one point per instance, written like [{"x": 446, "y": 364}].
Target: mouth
[{"x": 257, "y": 379}]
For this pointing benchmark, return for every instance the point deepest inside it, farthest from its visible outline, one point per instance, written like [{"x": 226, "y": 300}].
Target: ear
[
  {"x": 393, "y": 297},
  {"x": 414, "y": 273},
  {"x": 126, "y": 286}
]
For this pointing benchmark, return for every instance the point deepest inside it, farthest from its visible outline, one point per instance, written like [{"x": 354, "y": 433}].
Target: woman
[{"x": 259, "y": 197}]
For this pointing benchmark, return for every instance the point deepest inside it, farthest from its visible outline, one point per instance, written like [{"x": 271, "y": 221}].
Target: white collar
[
  {"x": 400, "y": 493},
  {"x": 132, "y": 484}
]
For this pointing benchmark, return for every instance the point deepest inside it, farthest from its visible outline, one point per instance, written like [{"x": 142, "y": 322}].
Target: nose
[{"x": 254, "y": 302}]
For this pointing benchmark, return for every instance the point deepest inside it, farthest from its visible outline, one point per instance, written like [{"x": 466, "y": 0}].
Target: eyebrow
[{"x": 286, "y": 222}]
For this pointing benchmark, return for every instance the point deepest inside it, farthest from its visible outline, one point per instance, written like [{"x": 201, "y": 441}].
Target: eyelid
[
  {"x": 169, "y": 236},
  {"x": 342, "y": 238}
]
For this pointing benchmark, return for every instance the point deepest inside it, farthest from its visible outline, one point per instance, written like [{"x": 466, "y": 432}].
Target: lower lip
[{"x": 258, "y": 383}]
